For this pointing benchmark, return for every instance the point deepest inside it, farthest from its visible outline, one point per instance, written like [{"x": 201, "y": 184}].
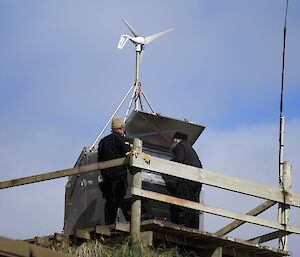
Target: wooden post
[
  {"x": 135, "y": 225},
  {"x": 217, "y": 252},
  {"x": 284, "y": 209}
]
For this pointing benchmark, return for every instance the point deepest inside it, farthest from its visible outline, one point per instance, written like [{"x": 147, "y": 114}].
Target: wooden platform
[
  {"x": 17, "y": 248},
  {"x": 155, "y": 232}
]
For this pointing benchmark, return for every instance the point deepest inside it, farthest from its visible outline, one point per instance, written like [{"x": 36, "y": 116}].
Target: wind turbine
[{"x": 140, "y": 43}]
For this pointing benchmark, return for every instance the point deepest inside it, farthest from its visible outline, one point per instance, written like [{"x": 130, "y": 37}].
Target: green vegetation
[{"x": 97, "y": 249}]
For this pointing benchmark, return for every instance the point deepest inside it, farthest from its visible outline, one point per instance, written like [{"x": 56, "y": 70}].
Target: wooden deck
[{"x": 155, "y": 232}]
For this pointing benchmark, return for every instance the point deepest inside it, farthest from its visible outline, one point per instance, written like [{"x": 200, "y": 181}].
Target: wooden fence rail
[
  {"x": 214, "y": 210},
  {"x": 283, "y": 196},
  {"x": 215, "y": 179},
  {"x": 64, "y": 173}
]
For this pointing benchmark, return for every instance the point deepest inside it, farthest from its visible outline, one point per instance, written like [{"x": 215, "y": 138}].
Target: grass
[{"x": 97, "y": 249}]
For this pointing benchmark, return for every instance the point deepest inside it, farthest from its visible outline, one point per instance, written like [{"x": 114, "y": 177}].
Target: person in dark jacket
[
  {"x": 184, "y": 153},
  {"x": 114, "y": 184}
]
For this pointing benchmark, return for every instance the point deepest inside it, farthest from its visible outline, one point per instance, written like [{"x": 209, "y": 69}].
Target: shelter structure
[{"x": 84, "y": 203}]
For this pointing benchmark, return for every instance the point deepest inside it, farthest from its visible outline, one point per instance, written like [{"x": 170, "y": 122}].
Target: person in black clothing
[
  {"x": 184, "y": 153},
  {"x": 114, "y": 184}
]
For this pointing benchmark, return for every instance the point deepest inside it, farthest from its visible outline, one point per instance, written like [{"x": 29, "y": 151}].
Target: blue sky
[{"x": 62, "y": 76}]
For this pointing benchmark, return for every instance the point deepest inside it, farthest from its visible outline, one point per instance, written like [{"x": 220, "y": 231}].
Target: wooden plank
[
  {"x": 59, "y": 237},
  {"x": 64, "y": 173},
  {"x": 9, "y": 247},
  {"x": 216, "y": 179},
  {"x": 147, "y": 238},
  {"x": 124, "y": 227},
  {"x": 230, "y": 245},
  {"x": 215, "y": 211},
  {"x": 177, "y": 239},
  {"x": 38, "y": 251},
  {"x": 256, "y": 211},
  {"x": 42, "y": 240},
  {"x": 13, "y": 247},
  {"x": 180, "y": 240},
  {"x": 103, "y": 230},
  {"x": 84, "y": 234},
  {"x": 268, "y": 237},
  {"x": 240, "y": 253},
  {"x": 39, "y": 240},
  {"x": 205, "y": 240}
]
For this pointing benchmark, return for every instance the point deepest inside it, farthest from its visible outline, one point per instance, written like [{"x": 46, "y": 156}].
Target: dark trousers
[
  {"x": 184, "y": 216},
  {"x": 188, "y": 190},
  {"x": 111, "y": 208},
  {"x": 114, "y": 190}
]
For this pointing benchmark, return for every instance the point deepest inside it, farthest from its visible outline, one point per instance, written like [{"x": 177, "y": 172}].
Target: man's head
[
  {"x": 117, "y": 125},
  {"x": 178, "y": 137}
]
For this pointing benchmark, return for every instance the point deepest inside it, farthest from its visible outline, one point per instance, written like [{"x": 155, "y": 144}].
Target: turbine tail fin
[
  {"x": 134, "y": 32},
  {"x": 155, "y": 36},
  {"x": 123, "y": 40}
]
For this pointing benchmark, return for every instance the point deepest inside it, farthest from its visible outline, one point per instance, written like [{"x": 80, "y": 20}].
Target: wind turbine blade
[
  {"x": 123, "y": 40},
  {"x": 155, "y": 36},
  {"x": 134, "y": 32}
]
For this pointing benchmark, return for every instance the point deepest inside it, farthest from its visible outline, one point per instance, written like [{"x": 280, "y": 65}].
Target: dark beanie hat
[{"x": 181, "y": 136}]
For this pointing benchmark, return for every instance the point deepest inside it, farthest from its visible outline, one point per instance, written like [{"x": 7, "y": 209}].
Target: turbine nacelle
[
  {"x": 135, "y": 40},
  {"x": 138, "y": 39}
]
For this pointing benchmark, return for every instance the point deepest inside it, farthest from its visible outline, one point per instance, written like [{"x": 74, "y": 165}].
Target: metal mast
[
  {"x": 284, "y": 177},
  {"x": 282, "y": 119},
  {"x": 136, "y": 88}
]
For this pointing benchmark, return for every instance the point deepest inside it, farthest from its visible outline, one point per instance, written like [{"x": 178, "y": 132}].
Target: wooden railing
[
  {"x": 64, "y": 173},
  {"x": 140, "y": 161},
  {"x": 273, "y": 195}
]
